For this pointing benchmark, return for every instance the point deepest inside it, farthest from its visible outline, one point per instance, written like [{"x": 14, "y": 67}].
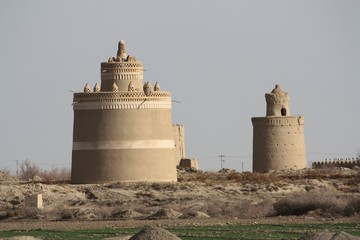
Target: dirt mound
[
  {"x": 167, "y": 213},
  {"x": 126, "y": 214},
  {"x": 195, "y": 214},
  {"x": 154, "y": 233},
  {"x": 329, "y": 236}
]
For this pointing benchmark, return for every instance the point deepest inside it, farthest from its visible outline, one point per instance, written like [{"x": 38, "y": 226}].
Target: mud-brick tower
[
  {"x": 123, "y": 129},
  {"x": 278, "y": 138}
]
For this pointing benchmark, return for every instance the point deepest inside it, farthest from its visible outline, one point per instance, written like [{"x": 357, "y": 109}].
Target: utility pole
[
  {"x": 17, "y": 168},
  {"x": 242, "y": 167},
  {"x": 221, "y": 160}
]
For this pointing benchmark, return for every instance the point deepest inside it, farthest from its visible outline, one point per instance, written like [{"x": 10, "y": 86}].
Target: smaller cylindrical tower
[
  {"x": 277, "y": 102},
  {"x": 278, "y": 138},
  {"x": 122, "y": 70}
]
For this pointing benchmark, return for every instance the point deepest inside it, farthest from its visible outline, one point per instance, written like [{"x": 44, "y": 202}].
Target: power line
[
  {"x": 211, "y": 157},
  {"x": 238, "y": 156},
  {"x": 221, "y": 160},
  {"x": 318, "y": 153},
  {"x": 17, "y": 168}
]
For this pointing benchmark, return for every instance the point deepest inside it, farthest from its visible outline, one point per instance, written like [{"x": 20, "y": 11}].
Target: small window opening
[{"x": 283, "y": 112}]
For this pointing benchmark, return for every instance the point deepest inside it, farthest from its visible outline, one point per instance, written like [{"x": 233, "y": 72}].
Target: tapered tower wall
[{"x": 278, "y": 143}]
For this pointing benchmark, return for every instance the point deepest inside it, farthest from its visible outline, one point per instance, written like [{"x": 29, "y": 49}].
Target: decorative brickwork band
[
  {"x": 278, "y": 121},
  {"x": 121, "y": 100},
  {"x": 145, "y": 104},
  {"x": 135, "y": 144},
  {"x": 111, "y": 95}
]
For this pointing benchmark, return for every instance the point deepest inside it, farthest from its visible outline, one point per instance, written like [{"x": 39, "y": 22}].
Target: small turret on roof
[
  {"x": 121, "y": 53},
  {"x": 278, "y": 91},
  {"x": 277, "y": 102}
]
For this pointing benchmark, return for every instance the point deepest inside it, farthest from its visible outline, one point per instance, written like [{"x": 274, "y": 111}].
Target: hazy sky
[{"x": 218, "y": 58}]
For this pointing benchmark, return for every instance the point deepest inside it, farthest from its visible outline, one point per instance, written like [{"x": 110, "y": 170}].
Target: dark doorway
[{"x": 283, "y": 112}]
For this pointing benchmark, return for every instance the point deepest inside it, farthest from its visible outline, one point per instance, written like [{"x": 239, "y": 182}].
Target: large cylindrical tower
[
  {"x": 123, "y": 129},
  {"x": 278, "y": 138}
]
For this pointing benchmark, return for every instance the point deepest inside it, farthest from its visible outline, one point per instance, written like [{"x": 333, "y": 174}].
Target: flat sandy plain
[{"x": 198, "y": 198}]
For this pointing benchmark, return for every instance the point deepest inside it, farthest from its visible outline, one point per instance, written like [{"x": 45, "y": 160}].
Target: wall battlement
[
  {"x": 336, "y": 164},
  {"x": 110, "y": 66},
  {"x": 278, "y": 121},
  {"x": 112, "y": 95}
]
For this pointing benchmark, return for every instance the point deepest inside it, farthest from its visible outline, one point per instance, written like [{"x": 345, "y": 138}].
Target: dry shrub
[
  {"x": 326, "y": 203},
  {"x": 254, "y": 177},
  {"x": 354, "y": 181},
  {"x": 55, "y": 174},
  {"x": 29, "y": 170},
  {"x": 239, "y": 209},
  {"x": 353, "y": 207},
  {"x": 323, "y": 173},
  {"x": 231, "y": 176}
]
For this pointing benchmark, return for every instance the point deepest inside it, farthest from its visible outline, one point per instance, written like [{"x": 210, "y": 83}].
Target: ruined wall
[
  {"x": 179, "y": 139},
  {"x": 122, "y": 140},
  {"x": 336, "y": 164}
]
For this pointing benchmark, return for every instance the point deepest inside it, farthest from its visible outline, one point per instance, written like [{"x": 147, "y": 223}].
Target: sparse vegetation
[
  {"x": 30, "y": 171},
  {"x": 221, "y": 196},
  {"x": 322, "y": 203}
]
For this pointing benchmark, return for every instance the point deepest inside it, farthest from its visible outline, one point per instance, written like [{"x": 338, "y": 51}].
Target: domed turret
[
  {"x": 87, "y": 88},
  {"x": 115, "y": 88},
  {"x": 131, "y": 87},
  {"x": 147, "y": 88},
  {"x": 157, "y": 87},
  {"x": 97, "y": 88}
]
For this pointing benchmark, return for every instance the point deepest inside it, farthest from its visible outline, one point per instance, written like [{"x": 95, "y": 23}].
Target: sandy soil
[{"x": 199, "y": 198}]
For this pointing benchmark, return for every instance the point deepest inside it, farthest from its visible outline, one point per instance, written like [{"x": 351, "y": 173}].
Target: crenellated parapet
[
  {"x": 113, "y": 95},
  {"x": 336, "y": 164},
  {"x": 122, "y": 66},
  {"x": 278, "y": 121}
]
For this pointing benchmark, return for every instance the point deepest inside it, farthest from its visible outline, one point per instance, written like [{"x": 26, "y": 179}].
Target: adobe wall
[
  {"x": 125, "y": 137},
  {"x": 336, "y": 164},
  {"x": 121, "y": 73},
  {"x": 278, "y": 143}
]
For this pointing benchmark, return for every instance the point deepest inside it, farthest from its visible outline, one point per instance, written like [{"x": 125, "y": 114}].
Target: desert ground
[{"x": 198, "y": 198}]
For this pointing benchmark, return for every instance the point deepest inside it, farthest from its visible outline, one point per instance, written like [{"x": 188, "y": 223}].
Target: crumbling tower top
[{"x": 277, "y": 102}]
